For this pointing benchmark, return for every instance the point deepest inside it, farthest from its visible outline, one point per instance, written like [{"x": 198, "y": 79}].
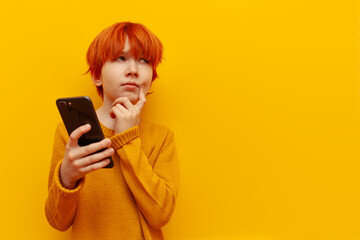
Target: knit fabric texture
[{"x": 132, "y": 200}]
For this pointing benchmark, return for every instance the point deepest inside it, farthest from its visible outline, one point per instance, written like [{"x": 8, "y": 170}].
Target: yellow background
[{"x": 263, "y": 97}]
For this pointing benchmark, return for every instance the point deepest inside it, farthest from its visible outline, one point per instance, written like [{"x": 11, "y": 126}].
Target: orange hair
[{"x": 109, "y": 44}]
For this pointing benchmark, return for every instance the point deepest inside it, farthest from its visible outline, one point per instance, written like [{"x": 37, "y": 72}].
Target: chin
[
  {"x": 134, "y": 101},
  {"x": 131, "y": 96}
]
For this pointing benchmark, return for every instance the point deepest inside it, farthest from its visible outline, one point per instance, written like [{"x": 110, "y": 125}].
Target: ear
[{"x": 97, "y": 82}]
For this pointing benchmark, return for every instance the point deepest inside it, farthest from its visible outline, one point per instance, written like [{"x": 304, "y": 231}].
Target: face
[{"x": 124, "y": 76}]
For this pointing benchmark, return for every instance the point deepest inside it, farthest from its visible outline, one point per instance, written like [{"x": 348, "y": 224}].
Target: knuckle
[
  {"x": 104, "y": 144},
  {"x": 70, "y": 156},
  {"x": 88, "y": 150},
  {"x": 72, "y": 137},
  {"x": 106, "y": 141},
  {"x": 106, "y": 153},
  {"x": 91, "y": 158},
  {"x": 93, "y": 167},
  {"x": 120, "y": 99},
  {"x": 76, "y": 164},
  {"x": 101, "y": 144},
  {"x": 67, "y": 148},
  {"x": 105, "y": 162}
]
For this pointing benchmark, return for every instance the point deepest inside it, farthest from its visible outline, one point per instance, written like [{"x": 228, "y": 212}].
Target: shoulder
[
  {"x": 61, "y": 131},
  {"x": 155, "y": 131}
]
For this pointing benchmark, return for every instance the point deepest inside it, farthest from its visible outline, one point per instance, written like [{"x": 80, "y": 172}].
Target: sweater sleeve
[
  {"x": 60, "y": 206},
  {"x": 154, "y": 187}
]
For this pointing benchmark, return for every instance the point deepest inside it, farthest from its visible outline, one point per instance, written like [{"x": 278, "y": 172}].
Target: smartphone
[{"x": 77, "y": 111}]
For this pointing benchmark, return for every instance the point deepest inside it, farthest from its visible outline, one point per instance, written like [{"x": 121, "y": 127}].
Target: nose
[{"x": 132, "y": 70}]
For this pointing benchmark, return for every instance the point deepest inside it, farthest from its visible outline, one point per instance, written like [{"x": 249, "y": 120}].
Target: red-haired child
[{"x": 136, "y": 197}]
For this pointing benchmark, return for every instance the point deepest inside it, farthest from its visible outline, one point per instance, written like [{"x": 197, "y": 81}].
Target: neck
[{"x": 103, "y": 114}]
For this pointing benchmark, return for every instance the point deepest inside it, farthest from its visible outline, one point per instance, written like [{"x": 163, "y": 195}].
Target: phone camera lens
[{"x": 62, "y": 103}]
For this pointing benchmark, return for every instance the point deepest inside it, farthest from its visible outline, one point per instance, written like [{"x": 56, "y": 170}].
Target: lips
[{"x": 130, "y": 84}]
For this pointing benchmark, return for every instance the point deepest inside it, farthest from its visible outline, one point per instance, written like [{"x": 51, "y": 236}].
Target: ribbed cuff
[
  {"x": 121, "y": 139},
  {"x": 65, "y": 191}
]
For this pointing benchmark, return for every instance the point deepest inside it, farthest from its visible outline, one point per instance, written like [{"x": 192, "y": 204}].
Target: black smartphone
[{"x": 77, "y": 111}]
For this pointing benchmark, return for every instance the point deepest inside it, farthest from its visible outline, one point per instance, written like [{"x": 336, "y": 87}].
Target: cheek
[
  {"x": 147, "y": 76},
  {"x": 147, "y": 88},
  {"x": 111, "y": 72},
  {"x": 109, "y": 79}
]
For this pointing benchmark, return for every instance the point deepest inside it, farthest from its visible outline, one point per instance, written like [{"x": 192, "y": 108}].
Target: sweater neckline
[{"x": 108, "y": 132}]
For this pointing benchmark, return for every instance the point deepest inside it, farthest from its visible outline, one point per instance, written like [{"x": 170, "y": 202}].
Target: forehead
[
  {"x": 131, "y": 50},
  {"x": 127, "y": 46}
]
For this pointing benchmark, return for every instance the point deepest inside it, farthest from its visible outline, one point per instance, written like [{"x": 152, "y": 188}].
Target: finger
[
  {"x": 94, "y": 147},
  {"x": 123, "y": 101},
  {"x": 142, "y": 99},
  {"x": 120, "y": 108},
  {"x": 112, "y": 114},
  {"x": 77, "y": 133},
  {"x": 119, "y": 111},
  {"x": 94, "y": 158},
  {"x": 115, "y": 112},
  {"x": 142, "y": 96},
  {"x": 84, "y": 151},
  {"x": 95, "y": 166}
]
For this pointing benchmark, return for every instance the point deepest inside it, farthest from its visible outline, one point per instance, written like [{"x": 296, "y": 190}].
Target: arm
[
  {"x": 69, "y": 165},
  {"x": 60, "y": 204},
  {"x": 153, "y": 182},
  {"x": 154, "y": 187}
]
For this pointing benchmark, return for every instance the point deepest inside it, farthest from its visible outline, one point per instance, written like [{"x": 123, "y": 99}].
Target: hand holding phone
[
  {"x": 81, "y": 160},
  {"x": 86, "y": 150}
]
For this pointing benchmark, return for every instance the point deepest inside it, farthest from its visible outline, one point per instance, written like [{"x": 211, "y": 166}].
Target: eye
[
  {"x": 122, "y": 58},
  {"x": 143, "y": 60}
]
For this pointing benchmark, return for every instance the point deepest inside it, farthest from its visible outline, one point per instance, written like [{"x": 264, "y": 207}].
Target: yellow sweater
[{"x": 133, "y": 200}]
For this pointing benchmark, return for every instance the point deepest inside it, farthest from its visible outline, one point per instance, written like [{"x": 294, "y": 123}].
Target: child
[{"x": 136, "y": 197}]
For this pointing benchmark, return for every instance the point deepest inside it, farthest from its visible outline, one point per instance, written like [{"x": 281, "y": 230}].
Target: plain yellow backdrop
[{"x": 263, "y": 97}]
